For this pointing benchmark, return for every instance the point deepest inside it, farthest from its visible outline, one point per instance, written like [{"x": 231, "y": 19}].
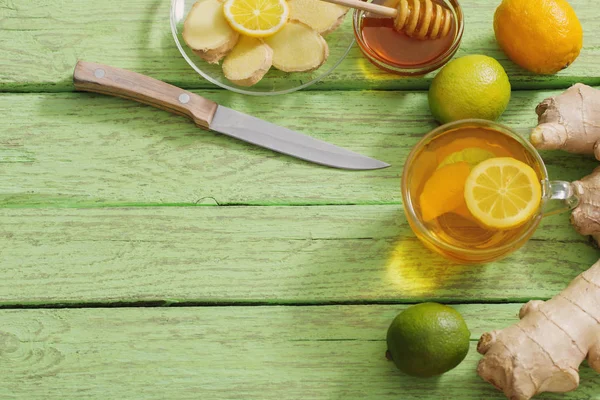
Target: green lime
[
  {"x": 474, "y": 86},
  {"x": 428, "y": 339},
  {"x": 471, "y": 155}
]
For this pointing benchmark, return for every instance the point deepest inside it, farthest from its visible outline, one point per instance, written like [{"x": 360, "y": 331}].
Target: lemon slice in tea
[
  {"x": 256, "y": 18},
  {"x": 444, "y": 190},
  {"x": 503, "y": 192},
  {"x": 470, "y": 155}
]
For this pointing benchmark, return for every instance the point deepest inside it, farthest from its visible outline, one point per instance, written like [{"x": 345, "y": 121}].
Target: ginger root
[
  {"x": 322, "y": 17},
  {"x": 569, "y": 121},
  {"x": 298, "y": 48},
  {"x": 543, "y": 351},
  {"x": 248, "y": 62},
  {"x": 586, "y": 216},
  {"x": 207, "y": 32}
]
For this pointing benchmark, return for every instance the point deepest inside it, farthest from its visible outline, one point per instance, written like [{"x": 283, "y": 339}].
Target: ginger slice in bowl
[
  {"x": 298, "y": 48},
  {"x": 207, "y": 32},
  {"x": 322, "y": 17},
  {"x": 248, "y": 62}
]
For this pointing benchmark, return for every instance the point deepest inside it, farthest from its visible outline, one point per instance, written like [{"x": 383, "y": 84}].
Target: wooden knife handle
[{"x": 99, "y": 78}]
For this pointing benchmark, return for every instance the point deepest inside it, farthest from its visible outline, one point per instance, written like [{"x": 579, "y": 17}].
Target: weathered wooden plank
[
  {"x": 261, "y": 255},
  {"x": 74, "y": 150},
  {"x": 230, "y": 353},
  {"x": 42, "y": 39}
]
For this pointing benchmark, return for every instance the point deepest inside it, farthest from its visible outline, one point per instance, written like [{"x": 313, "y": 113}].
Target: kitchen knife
[{"x": 99, "y": 78}]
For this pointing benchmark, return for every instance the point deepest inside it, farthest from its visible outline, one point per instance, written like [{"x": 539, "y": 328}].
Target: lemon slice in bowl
[
  {"x": 503, "y": 192},
  {"x": 256, "y": 18}
]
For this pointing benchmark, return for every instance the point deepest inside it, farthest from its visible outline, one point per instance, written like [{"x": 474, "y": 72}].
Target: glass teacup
[{"x": 456, "y": 234}]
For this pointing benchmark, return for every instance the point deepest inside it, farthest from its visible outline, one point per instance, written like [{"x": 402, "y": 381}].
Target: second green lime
[
  {"x": 473, "y": 86},
  {"x": 428, "y": 339}
]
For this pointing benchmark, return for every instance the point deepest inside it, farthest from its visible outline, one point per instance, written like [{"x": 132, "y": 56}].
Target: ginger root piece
[
  {"x": 322, "y": 17},
  {"x": 569, "y": 121},
  {"x": 543, "y": 351},
  {"x": 298, "y": 48},
  {"x": 586, "y": 216},
  {"x": 248, "y": 62},
  {"x": 207, "y": 32}
]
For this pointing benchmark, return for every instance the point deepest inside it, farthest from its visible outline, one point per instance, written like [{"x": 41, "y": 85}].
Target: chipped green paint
[
  {"x": 221, "y": 353},
  {"x": 42, "y": 39},
  {"x": 14, "y": 155},
  {"x": 250, "y": 255},
  {"x": 108, "y": 203},
  {"x": 92, "y": 150}
]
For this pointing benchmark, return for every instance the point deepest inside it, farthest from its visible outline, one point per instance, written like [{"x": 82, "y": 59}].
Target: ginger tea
[{"x": 438, "y": 173}]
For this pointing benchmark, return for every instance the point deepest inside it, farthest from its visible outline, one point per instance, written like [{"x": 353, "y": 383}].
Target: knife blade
[
  {"x": 265, "y": 134},
  {"x": 104, "y": 79}
]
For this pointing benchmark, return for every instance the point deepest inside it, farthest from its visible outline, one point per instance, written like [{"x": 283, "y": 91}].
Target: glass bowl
[
  {"x": 416, "y": 69},
  {"x": 274, "y": 82}
]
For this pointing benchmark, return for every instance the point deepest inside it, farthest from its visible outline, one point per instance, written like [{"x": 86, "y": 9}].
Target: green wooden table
[{"x": 142, "y": 258}]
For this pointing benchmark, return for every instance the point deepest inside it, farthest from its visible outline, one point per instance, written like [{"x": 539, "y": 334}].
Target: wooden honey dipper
[{"x": 420, "y": 19}]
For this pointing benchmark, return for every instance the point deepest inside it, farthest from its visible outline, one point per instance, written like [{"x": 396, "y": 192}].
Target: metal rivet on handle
[
  {"x": 184, "y": 98},
  {"x": 99, "y": 73}
]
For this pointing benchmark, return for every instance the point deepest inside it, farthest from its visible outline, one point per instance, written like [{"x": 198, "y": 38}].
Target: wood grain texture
[
  {"x": 84, "y": 150},
  {"x": 273, "y": 255},
  {"x": 231, "y": 353},
  {"x": 70, "y": 163},
  {"x": 42, "y": 40}
]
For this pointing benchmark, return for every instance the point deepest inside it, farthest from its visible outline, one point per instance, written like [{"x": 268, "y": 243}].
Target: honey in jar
[{"x": 395, "y": 51}]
